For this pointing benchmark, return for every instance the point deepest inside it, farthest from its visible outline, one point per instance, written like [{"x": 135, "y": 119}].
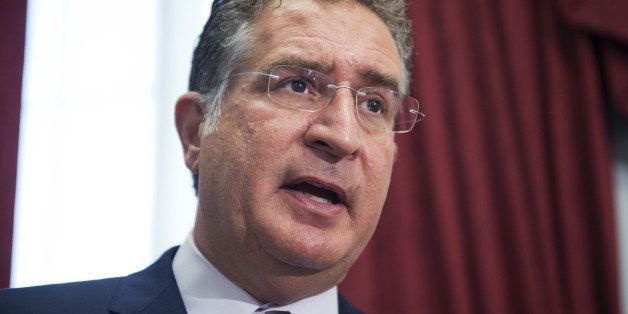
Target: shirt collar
[{"x": 205, "y": 289}]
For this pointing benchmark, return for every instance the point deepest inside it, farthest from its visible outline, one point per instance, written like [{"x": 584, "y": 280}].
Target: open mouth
[{"x": 315, "y": 192}]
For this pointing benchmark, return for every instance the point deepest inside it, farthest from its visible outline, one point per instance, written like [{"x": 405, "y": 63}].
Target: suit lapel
[
  {"x": 152, "y": 290},
  {"x": 344, "y": 307}
]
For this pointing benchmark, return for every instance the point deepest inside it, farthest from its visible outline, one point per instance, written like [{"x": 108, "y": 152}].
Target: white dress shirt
[{"x": 205, "y": 289}]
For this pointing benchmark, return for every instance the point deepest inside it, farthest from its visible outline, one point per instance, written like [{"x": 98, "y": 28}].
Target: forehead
[{"x": 344, "y": 39}]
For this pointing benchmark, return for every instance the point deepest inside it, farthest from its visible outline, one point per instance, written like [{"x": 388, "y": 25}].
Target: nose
[{"x": 335, "y": 129}]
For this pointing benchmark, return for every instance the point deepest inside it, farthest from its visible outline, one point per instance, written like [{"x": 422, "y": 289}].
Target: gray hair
[{"x": 226, "y": 40}]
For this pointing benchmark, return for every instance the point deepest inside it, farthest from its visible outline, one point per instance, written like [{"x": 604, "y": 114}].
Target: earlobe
[{"x": 189, "y": 120}]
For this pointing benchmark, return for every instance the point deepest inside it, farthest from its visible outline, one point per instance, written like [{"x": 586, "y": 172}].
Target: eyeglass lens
[{"x": 309, "y": 90}]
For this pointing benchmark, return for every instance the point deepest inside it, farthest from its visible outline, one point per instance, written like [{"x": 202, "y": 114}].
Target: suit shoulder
[{"x": 75, "y": 297}]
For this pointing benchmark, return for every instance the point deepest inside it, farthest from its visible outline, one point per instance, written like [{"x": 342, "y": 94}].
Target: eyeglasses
[{"x": 377, "y": 108}]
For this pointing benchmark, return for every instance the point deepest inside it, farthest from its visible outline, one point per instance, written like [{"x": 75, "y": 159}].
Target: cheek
[
  {"x": 265, "y": 138},
  {"x": 272, "y": 131},
  {"x": 378, "y": 164},
  {"x": 378, "y": 160}
]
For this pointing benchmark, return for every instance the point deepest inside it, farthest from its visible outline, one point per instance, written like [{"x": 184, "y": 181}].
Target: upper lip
[{"x": 321, "y": 183}]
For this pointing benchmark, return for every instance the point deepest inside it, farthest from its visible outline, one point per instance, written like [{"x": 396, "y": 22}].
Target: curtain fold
[
  {"x": 12, "y": 37},
  {"x": 501, "y": 200},
  {"x": 604, "y": 19}
]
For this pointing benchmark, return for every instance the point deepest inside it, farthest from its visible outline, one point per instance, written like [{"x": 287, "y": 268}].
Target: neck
[{"x": 262, "y": 276}]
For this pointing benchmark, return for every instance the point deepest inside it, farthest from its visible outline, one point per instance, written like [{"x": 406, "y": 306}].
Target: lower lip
[{"x": 321, "y": 209}]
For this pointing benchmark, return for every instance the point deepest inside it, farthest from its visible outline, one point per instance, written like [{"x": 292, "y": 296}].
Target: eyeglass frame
[{"x": 358, "y": 92}]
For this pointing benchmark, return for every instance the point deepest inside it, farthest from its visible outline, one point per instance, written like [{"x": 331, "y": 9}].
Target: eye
[
  {"x": 298, "y": 86},
  {"x": 373, "y": 105}
]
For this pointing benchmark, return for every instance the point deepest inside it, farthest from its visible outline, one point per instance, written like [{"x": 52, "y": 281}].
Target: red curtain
[
  {"x": 501, "y": 200},
  {"x": 12, "y": 25}
]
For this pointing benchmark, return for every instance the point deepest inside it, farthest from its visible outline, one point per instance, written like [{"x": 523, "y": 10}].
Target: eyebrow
[
  {"x": 371, "y": 76},
  {"x": 299, "y": 62},
  {"x": 376, "y": 78}
]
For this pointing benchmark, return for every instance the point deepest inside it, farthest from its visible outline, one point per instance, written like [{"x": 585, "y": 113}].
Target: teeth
[{"x": 316, "y": 198}]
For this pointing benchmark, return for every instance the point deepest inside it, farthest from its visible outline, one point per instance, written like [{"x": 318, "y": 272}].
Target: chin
[
  {"x": 308, "y": 248},
  {"x": 313, "y": 261}
]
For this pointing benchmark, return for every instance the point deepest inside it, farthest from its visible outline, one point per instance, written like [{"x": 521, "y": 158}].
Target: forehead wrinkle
[
  {"x": 314, "y": 49},
  {"x": 306, "y": 56}
]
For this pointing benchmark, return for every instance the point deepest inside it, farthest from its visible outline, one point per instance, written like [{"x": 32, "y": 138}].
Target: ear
[{"x": 189, "y": 121}]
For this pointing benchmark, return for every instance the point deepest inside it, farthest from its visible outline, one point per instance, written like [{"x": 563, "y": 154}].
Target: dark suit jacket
[{"x": 152, "y": 290}]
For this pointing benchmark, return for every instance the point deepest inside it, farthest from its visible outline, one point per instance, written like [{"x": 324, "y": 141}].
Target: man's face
[{"x": 301, "y": 188}]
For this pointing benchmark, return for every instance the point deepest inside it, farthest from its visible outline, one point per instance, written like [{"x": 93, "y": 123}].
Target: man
[{"x": 288, "y": 129}]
